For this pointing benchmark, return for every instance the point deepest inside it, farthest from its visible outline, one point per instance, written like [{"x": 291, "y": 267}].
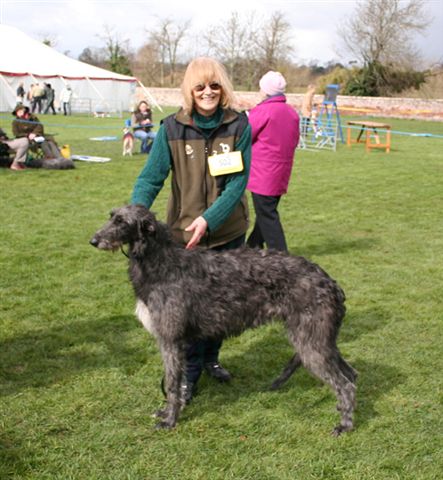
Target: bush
[{"x": 373, "y": 80}]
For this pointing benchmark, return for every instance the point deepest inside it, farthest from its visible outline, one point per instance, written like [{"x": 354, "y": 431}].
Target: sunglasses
[{"x": 214, "y": 86}]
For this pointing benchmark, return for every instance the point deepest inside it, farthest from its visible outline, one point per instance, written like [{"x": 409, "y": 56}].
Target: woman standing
[
  {"x": 207, "y": 205},
  {"x": 275, "y": 135}
]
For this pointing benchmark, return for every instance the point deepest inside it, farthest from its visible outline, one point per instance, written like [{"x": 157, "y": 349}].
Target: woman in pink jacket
[{"x": 275, "y": 134}]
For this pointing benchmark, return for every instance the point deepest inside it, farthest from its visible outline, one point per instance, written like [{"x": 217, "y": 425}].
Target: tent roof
[{"x": 22, "y": 55}]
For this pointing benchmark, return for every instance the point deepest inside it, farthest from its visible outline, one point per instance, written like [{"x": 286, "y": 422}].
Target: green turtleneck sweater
[{"x": 157, "y": 168}]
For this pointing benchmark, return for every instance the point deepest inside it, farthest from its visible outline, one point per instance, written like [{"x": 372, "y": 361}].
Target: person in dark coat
[
  {"x": 21, "y": 93},
  {"x": 50, "y": 95}
]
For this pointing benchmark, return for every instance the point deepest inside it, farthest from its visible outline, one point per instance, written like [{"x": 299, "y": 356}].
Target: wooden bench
[{"x": 370, "y": 128}]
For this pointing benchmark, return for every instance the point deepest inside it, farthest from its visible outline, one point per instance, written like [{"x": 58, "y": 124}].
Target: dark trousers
[
  {"x": 36, "y": 104},
  {"x": 50, "y": 105},
  {"x": 206, "y": 351},
  {"x": 268, "y": 228}
]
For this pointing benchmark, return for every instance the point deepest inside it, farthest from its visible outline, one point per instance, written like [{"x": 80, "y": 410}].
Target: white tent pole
[
  {"x": 148, "y": 94},
  {"x": 33, "y": 78},
  {"x": 7, "y": 85},
  {"x": 98, "y": 93},
  {"x": 9, "y": 88}
]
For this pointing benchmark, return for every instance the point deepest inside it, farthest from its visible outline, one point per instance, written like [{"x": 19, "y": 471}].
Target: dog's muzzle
[
  {"x": 94, "y": 242},
  {"x": 103, "y": 244}
]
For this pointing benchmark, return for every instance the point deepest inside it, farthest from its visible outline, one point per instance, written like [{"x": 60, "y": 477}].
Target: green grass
[{"x": 80, "y": 377}]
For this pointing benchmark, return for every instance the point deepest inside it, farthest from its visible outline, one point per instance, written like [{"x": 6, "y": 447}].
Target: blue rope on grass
[
  {"x": 396, "y": 132},
  {"x": 97, "y": 127},
  {"x": 103, "y": 127}
]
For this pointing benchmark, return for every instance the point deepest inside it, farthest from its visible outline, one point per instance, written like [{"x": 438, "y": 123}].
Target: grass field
[{"x": 80, "y": 377}]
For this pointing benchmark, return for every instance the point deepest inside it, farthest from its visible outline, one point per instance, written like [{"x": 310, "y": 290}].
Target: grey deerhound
[{"x": 185, "y": 295}]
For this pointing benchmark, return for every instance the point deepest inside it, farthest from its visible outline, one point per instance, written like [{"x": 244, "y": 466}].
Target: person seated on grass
[
  {"x": 141, "y": 122},
  {"x": 18, "y": 145},
  {"x": 27, "y": 125}
]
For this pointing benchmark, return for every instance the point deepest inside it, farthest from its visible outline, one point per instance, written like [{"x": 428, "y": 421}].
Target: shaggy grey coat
[{"x": 185, "y": 295}]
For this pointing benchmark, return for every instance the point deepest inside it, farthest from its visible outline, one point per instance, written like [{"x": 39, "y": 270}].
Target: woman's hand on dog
[{"x": 199, "y": 227}]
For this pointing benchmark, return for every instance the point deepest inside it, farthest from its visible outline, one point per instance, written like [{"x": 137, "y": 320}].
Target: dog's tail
[{"x": 287, "y": 373}]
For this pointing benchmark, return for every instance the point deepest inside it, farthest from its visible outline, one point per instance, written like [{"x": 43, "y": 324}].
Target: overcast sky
[{"x": 76, "y": 24}]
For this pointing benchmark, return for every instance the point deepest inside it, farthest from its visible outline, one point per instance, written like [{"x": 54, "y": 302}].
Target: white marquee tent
[{"x": 26, "y": 60}]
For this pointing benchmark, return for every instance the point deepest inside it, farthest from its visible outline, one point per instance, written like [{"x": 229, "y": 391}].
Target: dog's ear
[{"x": 146, "y": 226}]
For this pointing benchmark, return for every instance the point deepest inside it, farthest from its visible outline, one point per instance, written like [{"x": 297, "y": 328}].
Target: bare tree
[
  {"x": 380, "y": 31},
  {"x": 168, "y": 37},
  {"x": 248, "y": 46},
  {"x": 232, "y": 42},
  {"x": 93, "y": 56},
  {"x": 49, "y": 39},
  {"x": 147, "y": 65},
  {"x": 117, "y": 51},
  {"x": 274, "y": 42}
]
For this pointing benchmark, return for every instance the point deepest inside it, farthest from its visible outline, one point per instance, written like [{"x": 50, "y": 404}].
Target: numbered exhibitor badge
[{"x": 224, "y": 163}]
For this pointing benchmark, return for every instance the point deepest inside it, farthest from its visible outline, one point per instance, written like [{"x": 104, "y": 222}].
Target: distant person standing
[
  {"x": 50, "y": 94},
  {"x": 21, "y": 93},
  {"x": 306, "y": 108},
  {"x": 29, "y": 94},
  {"x": 65, "y": 99},
  {"x": 275, "y": 134},
  {"x": 38, "y": 94}
]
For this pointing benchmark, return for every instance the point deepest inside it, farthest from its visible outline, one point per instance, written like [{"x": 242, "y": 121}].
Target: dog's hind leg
[
  {"x": 288, "y": 371},
  {"x": 344, "y": 386},
  {"x": 329, "y": 367},
  {"x": 174, "y": 363}
]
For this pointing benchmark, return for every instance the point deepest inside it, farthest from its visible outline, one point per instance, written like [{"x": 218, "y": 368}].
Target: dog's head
[{"x": 130, "y": 224}]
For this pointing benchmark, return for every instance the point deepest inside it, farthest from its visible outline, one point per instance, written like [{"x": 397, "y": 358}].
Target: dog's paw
[
  {"x": 164, "y": 426},
  {"x": 339, "y": 429},
  {"x": 160, "y": 413}
]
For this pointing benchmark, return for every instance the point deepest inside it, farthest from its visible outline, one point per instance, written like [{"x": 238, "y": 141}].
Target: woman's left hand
[{"x": 199, "y": 227}]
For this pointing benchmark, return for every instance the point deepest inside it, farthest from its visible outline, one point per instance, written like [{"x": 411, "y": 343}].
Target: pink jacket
[{"x": 275, "y": 134}]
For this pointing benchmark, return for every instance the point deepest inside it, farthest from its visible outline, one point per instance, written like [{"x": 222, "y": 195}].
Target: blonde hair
[{"x": 206, "y": 70}]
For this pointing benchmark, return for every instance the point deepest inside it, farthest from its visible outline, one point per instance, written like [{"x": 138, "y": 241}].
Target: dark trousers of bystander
[{"x": 268, "y": 228}]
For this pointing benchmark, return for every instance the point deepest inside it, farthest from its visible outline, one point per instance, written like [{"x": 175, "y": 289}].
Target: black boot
[{"x": 215, "y": 370}]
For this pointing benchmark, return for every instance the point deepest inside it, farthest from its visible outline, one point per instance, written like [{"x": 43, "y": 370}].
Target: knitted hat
[{"x": 273, "y": 83}]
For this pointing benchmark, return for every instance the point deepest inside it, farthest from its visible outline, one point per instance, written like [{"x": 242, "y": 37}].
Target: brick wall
[{"x": 367, "y": 106}]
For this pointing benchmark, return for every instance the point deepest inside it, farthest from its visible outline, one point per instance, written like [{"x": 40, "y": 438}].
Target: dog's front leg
[{"x": 174, "y": 361}]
